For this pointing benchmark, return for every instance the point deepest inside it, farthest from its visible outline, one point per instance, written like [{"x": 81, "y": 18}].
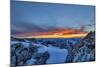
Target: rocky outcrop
[
  {"x": 86, "y": 50},
  {"x": 41, "y": 58}
]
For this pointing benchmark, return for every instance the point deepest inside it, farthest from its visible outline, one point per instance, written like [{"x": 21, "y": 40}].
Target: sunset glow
[
  {"x": 59, "y": 33},
  {"x": 59, "y": 36}
]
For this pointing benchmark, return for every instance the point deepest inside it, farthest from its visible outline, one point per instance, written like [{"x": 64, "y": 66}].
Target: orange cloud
[{"x": 56, "y": 33}]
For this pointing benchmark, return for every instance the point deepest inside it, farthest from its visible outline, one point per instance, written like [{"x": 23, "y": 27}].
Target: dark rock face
[
  {"x": 20, "y": 54},
  {"x": 41, "y": 58},
  {"x": 86, "y": 52},
  {"x": 89, "y": 40},
  {"x": 17, "y": 39}
]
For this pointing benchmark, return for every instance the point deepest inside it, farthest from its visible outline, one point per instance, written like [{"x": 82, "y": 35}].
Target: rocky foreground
[{"x": 25, "y": 52}]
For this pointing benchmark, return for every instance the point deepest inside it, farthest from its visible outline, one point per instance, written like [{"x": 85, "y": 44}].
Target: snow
[
  {"x": 31, "y": 61},
  {"x": 25, "y": 44},
  {"x": 14, "y": 42},
  {"x": 57, "y": 55},
  {"x": 42, "y": 49},
  {"x": 35, "y": 44}
]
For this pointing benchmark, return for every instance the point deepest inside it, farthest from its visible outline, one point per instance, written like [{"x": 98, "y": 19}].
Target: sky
[{"x": 29, "y": 17}]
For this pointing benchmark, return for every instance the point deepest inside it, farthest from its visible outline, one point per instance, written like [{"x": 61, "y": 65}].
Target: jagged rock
[
  {"x": 87, "y": 50},
  {"x": 41, "y": 58}
]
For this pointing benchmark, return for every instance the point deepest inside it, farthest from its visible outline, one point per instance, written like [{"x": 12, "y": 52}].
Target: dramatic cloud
[{"x": 33, "y": 17}]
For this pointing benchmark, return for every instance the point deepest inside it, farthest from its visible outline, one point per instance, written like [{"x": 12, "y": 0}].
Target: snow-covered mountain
[{"x": 51, "y": 51}]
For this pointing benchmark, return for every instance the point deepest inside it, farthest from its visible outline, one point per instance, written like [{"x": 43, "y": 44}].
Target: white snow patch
[
  {"x": 25, "y": 44},
  {"x": 31, "y": 61},
  {"x": 42, "y": 49},
  {"x": 57, "y": 55}
]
